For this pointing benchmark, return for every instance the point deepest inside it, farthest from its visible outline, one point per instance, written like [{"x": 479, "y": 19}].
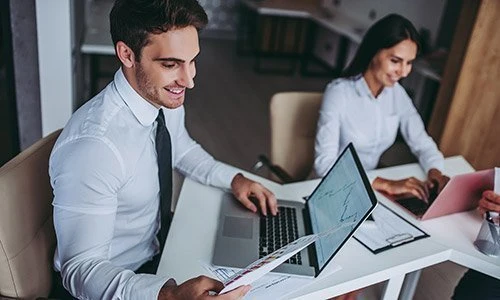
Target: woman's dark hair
[
  {"x": 385, "y": 33},
  {"x": 131, "y": 21}
]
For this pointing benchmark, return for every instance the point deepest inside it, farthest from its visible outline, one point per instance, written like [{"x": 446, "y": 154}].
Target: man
[
  {"x": 111, "y": 166},
  {"x": 476, "y": 285}
]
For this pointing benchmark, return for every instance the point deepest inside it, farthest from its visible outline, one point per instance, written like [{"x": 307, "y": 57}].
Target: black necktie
[{"x": 164, "y": 157}]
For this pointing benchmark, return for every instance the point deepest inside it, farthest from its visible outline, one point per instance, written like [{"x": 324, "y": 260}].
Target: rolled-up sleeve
[{"x": 85, "y": 205}]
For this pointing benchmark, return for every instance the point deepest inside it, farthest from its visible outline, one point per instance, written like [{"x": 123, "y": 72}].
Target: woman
[{"x": 367, "y": 106}]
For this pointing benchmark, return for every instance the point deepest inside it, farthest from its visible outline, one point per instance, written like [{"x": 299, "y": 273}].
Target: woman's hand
[
  {"x": 435, "y": 177},
  {"x": 409, "y": 185}
]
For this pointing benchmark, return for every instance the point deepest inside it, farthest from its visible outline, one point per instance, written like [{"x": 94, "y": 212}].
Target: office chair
[
  {"x": 27, "y": 237},
  {"x": 293, "y": 117}
]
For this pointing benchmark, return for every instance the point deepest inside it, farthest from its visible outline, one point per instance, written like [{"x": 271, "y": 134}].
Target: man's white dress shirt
[
  {"x": 350, "y": 113},
  {"x": 104, "y": 172}
]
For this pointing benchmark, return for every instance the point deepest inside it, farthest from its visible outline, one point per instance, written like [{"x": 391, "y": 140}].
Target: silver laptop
[{"x": 344, "y": 195}]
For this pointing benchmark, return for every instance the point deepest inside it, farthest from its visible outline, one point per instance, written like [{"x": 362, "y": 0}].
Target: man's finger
[
  {"x": 491, "y": 196},
  {"x": 488, "y": 194},
  {"x": 271, "y": 201},
  {"x": 485, "y": 204},
  {"x": 209, "y": 284},
  {"x": 247, "y": 203},
  {"x": 237, "y": 293},
  {"x": 262, "y": 201},
  {"x": 481, "y": 210}
]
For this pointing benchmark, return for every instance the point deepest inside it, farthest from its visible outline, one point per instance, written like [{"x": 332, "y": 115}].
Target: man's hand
[
  {"x": 405, "y": 186},
  {"x": 244, "y": 189},
  {"x": 489, "y": 202},
  {"x": 199, "y": 288},
  {"x": 434, "y": 176}
]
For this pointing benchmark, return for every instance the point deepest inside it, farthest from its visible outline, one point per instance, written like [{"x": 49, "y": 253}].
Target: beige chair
[
  {"x": 27, "y": 238},
  {"x": 293, "y": 117}
]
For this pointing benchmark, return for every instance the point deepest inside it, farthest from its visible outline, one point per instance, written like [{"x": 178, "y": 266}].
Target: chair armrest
[{"x": 276, "y": 170}]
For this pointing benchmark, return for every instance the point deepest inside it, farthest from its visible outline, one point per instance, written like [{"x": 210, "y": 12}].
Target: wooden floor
[{"x": 227, "y": 111}]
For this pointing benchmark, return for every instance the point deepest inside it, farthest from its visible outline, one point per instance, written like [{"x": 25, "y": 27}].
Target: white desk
[
  {"x": 192, "y": 234},
  {"x": 458, "y": 231}
]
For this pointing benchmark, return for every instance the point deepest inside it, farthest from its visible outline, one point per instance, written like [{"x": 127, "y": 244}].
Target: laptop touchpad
[{"x": 237, "y": 227}]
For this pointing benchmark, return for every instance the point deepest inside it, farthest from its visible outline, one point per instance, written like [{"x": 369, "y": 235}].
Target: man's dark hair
[
  {"x": 385, "y": 33},
  {"x": 131, "y": 21}
]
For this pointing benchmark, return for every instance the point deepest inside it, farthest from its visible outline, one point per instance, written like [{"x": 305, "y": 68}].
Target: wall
[
  {"x": 55, "y": 57},
  {"x": 472, "y": 123},
  {"x": 423, "y": 13},
  {"x": 223, "y": 14},
  {"x": 8, "y": 116},
  {"x": 25, "y": 63},
  {"x": 222, "y": 17},
  {"x": 78, "y": 63}
]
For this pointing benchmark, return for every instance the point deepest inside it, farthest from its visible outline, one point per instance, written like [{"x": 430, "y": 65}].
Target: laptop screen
[{"x": 343, "y": 196}]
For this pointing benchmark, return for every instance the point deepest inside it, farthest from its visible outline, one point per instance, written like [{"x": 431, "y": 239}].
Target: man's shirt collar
[{"x": 144, "y": 111}]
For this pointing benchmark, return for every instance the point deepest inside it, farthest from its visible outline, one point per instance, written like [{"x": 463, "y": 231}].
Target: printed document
[
  {"x": 261, "y": 267},
  {"x": 386, "y": 231},
  {"x": 270, "y": 286}
]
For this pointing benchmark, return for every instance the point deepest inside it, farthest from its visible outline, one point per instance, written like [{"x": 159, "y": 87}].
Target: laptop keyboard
[
  {"x": 416, "y": 205},
  {"x": 277, "y": 231}
]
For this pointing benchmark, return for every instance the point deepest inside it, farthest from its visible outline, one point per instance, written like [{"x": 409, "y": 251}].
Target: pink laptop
[{"x": 462, "y": 193}]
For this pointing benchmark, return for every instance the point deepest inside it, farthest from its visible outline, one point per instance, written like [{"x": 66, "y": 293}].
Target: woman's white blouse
[{"x": 350, "y": 113}]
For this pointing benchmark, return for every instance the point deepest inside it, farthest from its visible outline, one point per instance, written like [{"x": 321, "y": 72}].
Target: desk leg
[
  {"x": 410, "y": 285},
  {"x": 391, "y": 291}
]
